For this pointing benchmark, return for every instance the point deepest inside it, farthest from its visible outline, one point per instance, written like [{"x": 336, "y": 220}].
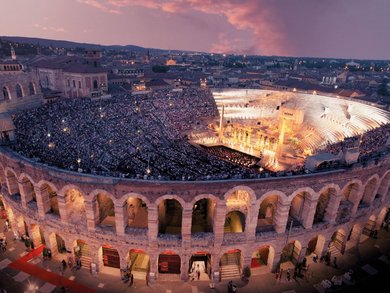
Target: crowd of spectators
[
  {"x": 126, "y": 136},
  {"x": 145, "y": 135}
]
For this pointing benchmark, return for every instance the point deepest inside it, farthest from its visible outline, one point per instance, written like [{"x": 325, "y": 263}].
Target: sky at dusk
[{"x": 356, "y": 29}]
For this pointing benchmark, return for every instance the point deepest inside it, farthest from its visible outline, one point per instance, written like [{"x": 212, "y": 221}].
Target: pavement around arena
[{"x": 370, "y": 262}]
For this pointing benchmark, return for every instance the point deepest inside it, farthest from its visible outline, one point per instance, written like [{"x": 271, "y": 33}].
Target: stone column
[
  {"x": 186, "y": 226},
  {"x": 153, "y": 268},
  {"x": 247, "y": 258},
  {"x": 184, "y": 258},
  {"x": 276, "y": 261},
  {"x": 219, "y": 221},
  {"x": 281, "y": 216},
  {"x": 95, "y": 256},
  {"x": 251, "y": 223},
  {"x": 302, "y": 254},
  {"x": 43, "y": 200},
  {"x": 332, "y": 208},
  {"x": 25, "y": 192},
  {"x": 90, "y": 207},
  {"x": 123, "y": 254},
  {"x": 120, "y": 219},
  {"x": 215, "y": 267},
  {"x": 309, "y": 210},
  {"x": 152, "y": 224},
  {"x": 63, "y": 205}
]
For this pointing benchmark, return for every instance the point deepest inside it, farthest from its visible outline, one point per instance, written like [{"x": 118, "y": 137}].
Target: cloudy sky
[{"x": 356, "y": 29}]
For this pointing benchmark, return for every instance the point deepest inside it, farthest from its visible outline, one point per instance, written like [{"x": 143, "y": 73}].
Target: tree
[{"x": 382, "y": 88}]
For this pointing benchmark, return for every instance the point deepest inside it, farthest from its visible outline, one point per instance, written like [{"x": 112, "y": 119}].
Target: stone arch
[
  {"x": 315, "y": 246},
  {"x": 249, "y": 191},
  {"x": 28, "y": 190},
  {"x": 48, "y": 192},
  {"x": 383, "y": 217},
  {"x": 19, "y": 91},
  {"x": 74, "y": 200},
  {"x": 231, "y": 262},
  {"x": 354, "y": 235},
  {"x": 135, "y": 211},
  {"x": 36, "y": 235},
  {"x": 369, "y": 192},
  {"x": 138, "y": 262},
  {"x": 12, "y": 182},
  {"x": 169, "y": 262},
  {"x": 267, "y": 207},
  {"x": 299, "y": 208},
  {"x": 337, "y": 243},
  {"x": 108, "y": 256},
  {"x": 57, "y": 244},
  {"x": 234, "y": 222},
  {"x": 290, "y": 254},
  {"x": 369, "y": 228},
  {"x": 349, "y": 195},
  {"x": 103, "y": 208},
  {"x": 203, "y": 212},
  {"x": 383, "y": 190},
  {"x": 262, "y": 256},
  {"x": 31, "y": 89},
  {"x": 82, "y": 252},
  {"x": 6, "y": 93},
  {"x": 170, "y": 214},
  {"x": 22, "y": 227},
  {"x": 326, "y": 194}
]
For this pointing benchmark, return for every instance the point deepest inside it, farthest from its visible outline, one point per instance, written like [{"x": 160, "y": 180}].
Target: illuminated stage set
[{"x": 282, "y": 129}]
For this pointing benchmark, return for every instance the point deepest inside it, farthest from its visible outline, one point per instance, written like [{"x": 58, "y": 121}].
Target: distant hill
[{"x": 69, "y": 44}]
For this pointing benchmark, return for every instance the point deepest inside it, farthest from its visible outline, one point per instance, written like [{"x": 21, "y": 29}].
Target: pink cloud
[
  {"x": 255, "y": 16},
  {"x": 52, "y": 28}
]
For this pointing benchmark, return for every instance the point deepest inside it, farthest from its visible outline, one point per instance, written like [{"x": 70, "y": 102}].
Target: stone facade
[{"x": 306, "y": 207}]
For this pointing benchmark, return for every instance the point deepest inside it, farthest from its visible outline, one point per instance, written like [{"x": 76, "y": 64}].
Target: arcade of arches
[{"x": 148, "y": 236}]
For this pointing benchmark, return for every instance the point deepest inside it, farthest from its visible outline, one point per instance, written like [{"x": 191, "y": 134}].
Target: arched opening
[
  {"x": 22, "y": 226},
  {"x": 315, "y": 246},
  {"x": 290, "y": 255},
  {"x": 170, "y": 214},
  {"x": 29, "y": 193},
  {"x": 239, "y": 199},
  {"x": 368, "y": 229},
  {"x": 200, "y": 266},
  {"x": 57, "y": 245},
  {"x": 82, "y": 251},
  {"x": 384, "y": 190},
  {"x": 169, "y": 263},
  {"x": 105, "y": 211},
  {"x": 234, "y": 222},
  {"x": 230, "y": 264},
  {"x": 48, "y": 192},
  {"x": 6, "y": 94},
  {"x": 109, "y": 259},
  {"x": 37, "y": 235},
  {"x": 383, "y": 218},
  {"x": 322, "y": 204},
  {"x": 137, "y": 214},
  {"x": 139, "y": 264},
  {"x": 353, "y": 236},
  {"x": 76, "y": 209},
  {"x": 295, "y": 215},
  {"x": 31, "y": 89},
  {"x": 203, "y": 216},
  {"x": 13, "y": 186},
  {"x": 368, "y": 193},
  {"x": 337, "y": 244},
  {"x": 95, "y": 84},
  {"x": 262, "y": 259},
  {"x": 19, "y": 91},
  {"x": 267, "y": 210},
  {"x": 346, "y": 204}
]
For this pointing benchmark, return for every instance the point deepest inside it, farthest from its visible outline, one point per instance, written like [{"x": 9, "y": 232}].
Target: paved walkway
[{"x": 370, "y": 262}]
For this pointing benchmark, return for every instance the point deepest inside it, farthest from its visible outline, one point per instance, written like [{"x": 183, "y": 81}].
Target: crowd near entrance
[{"x": 200, "y": 266}]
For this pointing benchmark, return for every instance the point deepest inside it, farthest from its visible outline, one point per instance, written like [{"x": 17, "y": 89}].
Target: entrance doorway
[
  {"x": 169, "y": 263},
  {"x": 200, "y": 266}
]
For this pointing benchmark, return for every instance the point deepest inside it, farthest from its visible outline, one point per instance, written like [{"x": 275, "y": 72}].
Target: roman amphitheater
[{"x": 162, "y": 228}]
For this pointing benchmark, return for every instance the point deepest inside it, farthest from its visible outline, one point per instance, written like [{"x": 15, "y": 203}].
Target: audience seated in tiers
[{"x": 125, "y": 136}]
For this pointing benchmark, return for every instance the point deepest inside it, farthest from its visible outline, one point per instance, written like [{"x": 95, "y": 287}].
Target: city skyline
[{"x": 281, "y": 28}]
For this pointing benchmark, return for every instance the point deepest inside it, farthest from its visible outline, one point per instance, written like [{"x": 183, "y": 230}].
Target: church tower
[{"x": 13, "y": 54}]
